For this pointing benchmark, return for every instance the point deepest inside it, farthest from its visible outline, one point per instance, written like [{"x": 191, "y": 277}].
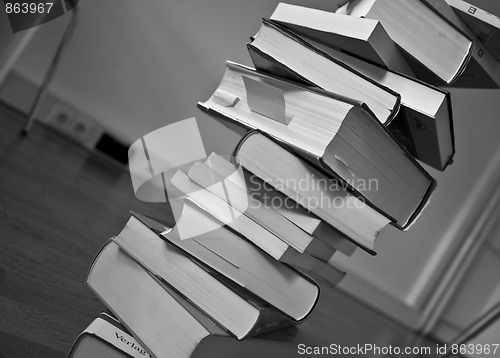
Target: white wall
[{"x": 138, "y": 65}]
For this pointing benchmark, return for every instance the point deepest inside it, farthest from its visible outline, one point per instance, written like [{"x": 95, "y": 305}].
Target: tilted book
[
  {"x": 318, "y": 193},
  {"x": 339, "y": 135},
  {"x": 243, "y": 265},
  {"x": 204, "y": 288},
  {"x": 424, "y": 124},
  {"x": 434, "y": 47},
  {"x": 361, "y": 37},
  {"x": 284, "y": 205},
  {"x": 248, "y": 222},
  {"x": 276, "y": 49},
  {"x": 106, "y": 337},
  {"x": 162, "y": 321},
  {"x": 483, "y": 70},
  {"x": 484, "y": 25},
  {"x": 267, "y": 217}
]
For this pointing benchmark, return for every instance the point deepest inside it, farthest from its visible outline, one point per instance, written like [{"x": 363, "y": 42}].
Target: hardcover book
[
  {"x": 208, "y": 291},
  {"x": 284, "y": 205},
  {"x": 424, "y": 124},
  {"x": 106, "y": 337},
  {"x": 277, "y": 50},
  {"x": 361, "y": 37},
  {"x": 413, "y": 26},
  {"x": 160, "y": 319},
  {"x": 243, "y": 265},
  {"x": 484, "y": 25},
  {"x": 322, "y": 195},
  {"x": 266, "y": 217},
  {"x": 246, "y": 224},
  {"x": 337, "y": 134},
  {"x": 483, "y": 70}
]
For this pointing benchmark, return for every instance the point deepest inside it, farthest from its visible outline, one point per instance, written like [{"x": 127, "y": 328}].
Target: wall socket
[
  {"x": 61, "y": 118},
  {"x": 19, "y": 91},
  {"x": 74, "y": 124}
]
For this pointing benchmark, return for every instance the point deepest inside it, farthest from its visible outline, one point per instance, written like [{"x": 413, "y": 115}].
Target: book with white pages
[
  {"x": 427, "y": 131},
  {"x": 483, "y": 70},
  {"x": 161, "y": 320},
  {"x": 287, "y": 207},
  {"x": 242, "y": 263},
  {"x": 278, "y": 50},
  {"x": 484, "y": 25},
  {"x": 267, "y": 217},
  {"x": 323, "y": 196},
  {"x": 361, "y": 37},
  {"x": 203, "y": 287},
  {"x": 337, "y": 134},
  {"x": 222, "y": 211},
  {"x": 414, "y": 27}
]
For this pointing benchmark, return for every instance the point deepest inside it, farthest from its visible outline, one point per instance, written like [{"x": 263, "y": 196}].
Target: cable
[{"x": 51, "y": 70}]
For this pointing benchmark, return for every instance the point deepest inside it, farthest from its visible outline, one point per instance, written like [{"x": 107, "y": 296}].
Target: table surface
[{"x": 58, "y": 204}]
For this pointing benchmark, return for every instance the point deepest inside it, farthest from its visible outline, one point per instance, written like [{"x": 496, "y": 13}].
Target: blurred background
[{"x": 134, "y": 66}]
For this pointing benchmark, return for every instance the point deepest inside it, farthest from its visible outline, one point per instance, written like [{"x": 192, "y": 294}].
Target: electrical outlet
[
  {"x": 61, "y": 118},
  {"x": 82, "y": 126},
  {"x": 74, "y": 124}
]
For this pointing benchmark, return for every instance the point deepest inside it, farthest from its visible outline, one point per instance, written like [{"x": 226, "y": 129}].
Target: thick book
[
  {"x": 424, "y": 124},
  {"x": 307, "y": 254},
  {"x": 204, "y": 288},
  {"x": 484, "y": 25},
  {"x": 361, "y": 37},
  {"x": 435, "y": 48},
  {"x": 266, "y": 195},
  {"x": 162, "y": 321},
  {"x": 483, "y": 70},
  {"x": 106, "y": 337},
  {"x": 242, "y": 264},
  {"x": 335, "y": 133},
  {"x": 320, "y": 194},
  {"x": 267, "y": 217},
  {"x": 278, "y": 50},
  {"x": 247, "y": 223}
]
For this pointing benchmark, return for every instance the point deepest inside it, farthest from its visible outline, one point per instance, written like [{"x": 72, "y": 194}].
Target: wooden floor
[{"x": 58, "y": 204}]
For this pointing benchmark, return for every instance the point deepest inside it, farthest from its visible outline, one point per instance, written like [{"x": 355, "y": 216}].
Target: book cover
[{"x": 107, "y": 336}]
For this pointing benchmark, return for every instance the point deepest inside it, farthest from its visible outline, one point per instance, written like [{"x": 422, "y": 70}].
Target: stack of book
[
  {"x": 339, "y": 107},
  {"x": 170, "y": 293},
  {"x": 248, "y": 270}
]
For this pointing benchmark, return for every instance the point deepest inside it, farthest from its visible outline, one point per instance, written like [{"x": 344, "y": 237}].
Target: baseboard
[{"x": 19, "y": 92}]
